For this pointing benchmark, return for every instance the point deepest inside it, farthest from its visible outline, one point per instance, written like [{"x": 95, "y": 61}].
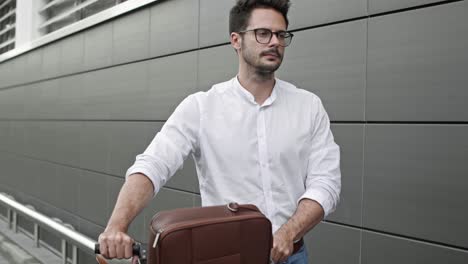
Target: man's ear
[{"x": 236, "y": 41}]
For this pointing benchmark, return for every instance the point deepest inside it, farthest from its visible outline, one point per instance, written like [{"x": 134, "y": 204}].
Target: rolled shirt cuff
[
  {"x": 148, "y": 172},
  {"x": 322, "y": 197}
]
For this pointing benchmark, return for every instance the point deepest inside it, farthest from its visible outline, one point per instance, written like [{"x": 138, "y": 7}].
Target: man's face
[{"x": 263, "y": 57}]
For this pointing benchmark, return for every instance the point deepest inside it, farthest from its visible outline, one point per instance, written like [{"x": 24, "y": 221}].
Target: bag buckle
[{"x": 233, "y": 206}]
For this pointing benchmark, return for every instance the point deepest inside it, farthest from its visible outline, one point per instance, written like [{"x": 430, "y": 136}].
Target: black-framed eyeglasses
[{"x": 264, "y": 35}]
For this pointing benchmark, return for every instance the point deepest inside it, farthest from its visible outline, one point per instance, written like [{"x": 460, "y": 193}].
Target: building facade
[{"x": 74, "y": 113}]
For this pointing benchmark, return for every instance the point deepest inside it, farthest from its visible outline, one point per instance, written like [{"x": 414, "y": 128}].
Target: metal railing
[{"x": 65, "y": 231}]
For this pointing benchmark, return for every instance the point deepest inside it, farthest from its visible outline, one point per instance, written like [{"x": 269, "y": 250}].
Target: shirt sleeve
[
  {"x": 323, "y": 180},
  {"x": 171, "y": 146}
]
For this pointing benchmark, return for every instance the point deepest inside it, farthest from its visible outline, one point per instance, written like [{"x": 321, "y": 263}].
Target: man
[{"x": 255, "y": 139}]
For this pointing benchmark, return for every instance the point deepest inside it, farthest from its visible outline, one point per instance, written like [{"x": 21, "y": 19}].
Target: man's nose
[{"x": 274, "y": 40}]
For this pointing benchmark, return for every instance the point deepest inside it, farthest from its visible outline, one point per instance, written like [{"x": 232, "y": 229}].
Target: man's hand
[
  {"x": 115, "y": 244},
  {"x": 283, "y": 245},
  {"x": 134, "y": 195}
]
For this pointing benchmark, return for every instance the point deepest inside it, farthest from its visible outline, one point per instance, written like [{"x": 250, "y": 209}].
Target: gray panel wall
[{"x": 74, "y": 113}]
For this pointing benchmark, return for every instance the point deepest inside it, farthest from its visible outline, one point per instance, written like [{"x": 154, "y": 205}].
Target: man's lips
[{"x": 271, "y": 54}]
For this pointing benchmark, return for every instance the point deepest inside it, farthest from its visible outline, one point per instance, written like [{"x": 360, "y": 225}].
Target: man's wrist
[
  {"x": 116, "y": 228},
  {"x": 289, "y": 231}
]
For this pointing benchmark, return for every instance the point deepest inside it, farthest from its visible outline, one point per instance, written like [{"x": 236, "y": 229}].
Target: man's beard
[{"x": 255, "y": 62}]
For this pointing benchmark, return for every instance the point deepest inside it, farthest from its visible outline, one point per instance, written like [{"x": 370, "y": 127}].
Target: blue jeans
[{"x": 301, "y": 257}]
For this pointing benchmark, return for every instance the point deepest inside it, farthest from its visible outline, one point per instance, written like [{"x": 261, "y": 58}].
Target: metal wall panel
[
  {"x": 331, "y": 62},
  {"x": 11, "y": 138},
  {"x": 95, "y": 146},
  {"x": 127, "y": 139},
  {"x": 31, "y": 137},
  {"x": 5, "y": 176},
  {"x": 128, "y": 91},
  {"x": 380, "y": 6},
  {"x": 98, "y": 46},
  {"x": 40, "y": 139},
  {"x": 15, "y": 139},
  {"x": 306, "y": 13},
  {"x": 47, "y": 173},
  {"x": 18, "y": 70},
  {"x": 4, "y": 135},
  {"x": 70, "y": 97},
  {"x": 197, "y": 201},
  {"x": 350, "y": 138},
  {"x": 383, "y": 249},
  {"x": 72, "y": 54},
  {"x": 118, "y": 92},
  {"x": 96, "y": 97},
  {"x": 67, "y": 142},
  {"x": 419, "y": 74},
  {"x": 174, "y": 27},
  {"x": 67, "y": 184},
  {"x": 12, "y": 105},
  {"x": 131, "y": 37},
  {"x": 214, "y": 22},
  {"x": 42, "y": 99},
  {"x": 415, "y": 181},
  {"x": 32, "y": 103},
  {"x": 13, "y": 170},
  {"x": 216, "y": 65},
  {"x": 92, "y": 197},
  {"x": 171, "y": 79},
  {"x": 5, "y": 75},
  {"x": 33, "y": 65},
  {"x": 51, "y": 60},
  {"x": 331, "y": 243}
]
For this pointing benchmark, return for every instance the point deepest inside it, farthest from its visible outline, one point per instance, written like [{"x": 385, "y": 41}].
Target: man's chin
[{"x": 269, "y": 67}]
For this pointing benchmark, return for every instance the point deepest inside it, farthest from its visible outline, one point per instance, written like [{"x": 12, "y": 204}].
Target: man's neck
[{"x": 259, "y": 85}]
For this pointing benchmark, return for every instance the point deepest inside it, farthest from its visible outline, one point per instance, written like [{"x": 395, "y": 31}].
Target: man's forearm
[
  {"x": 308, "y": 214},
  {"x": 133, "y": 197}
]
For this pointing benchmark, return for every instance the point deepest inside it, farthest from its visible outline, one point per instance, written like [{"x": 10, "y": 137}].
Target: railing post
[
  {"x": 15, "y": 222},
  {"x": 36, "y": 229},
  {"x": 74, "y": 247},
  {"x": 9, "y": 217},
  {"x": 74, "y": 254},
  {"x": 36, "y": 234},
  {"x": 64, "y": 251}
]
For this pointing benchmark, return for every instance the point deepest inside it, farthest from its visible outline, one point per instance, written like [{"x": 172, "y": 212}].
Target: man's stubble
[{"x": 254, "y": 61}]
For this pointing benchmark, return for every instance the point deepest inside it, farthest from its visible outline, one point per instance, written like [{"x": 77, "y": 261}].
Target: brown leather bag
[{"x": 229, "y": 234}]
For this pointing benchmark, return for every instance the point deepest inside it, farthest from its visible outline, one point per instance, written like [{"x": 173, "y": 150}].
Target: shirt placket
[{"x": 263, "y": 160}]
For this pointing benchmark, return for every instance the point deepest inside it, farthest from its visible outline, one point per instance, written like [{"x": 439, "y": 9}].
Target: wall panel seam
[
  {"x": 336, "y": 122},
  {"x": 402, "y": 10},
  {"x": 401, "y": 236}
]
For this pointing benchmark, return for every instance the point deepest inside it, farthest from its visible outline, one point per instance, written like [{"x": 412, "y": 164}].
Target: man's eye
[
  {"x": 282, "y": 35},
  {"x": 263, "y": 33}
]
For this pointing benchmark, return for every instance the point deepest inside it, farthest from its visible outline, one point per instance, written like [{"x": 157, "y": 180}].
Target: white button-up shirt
[{"x": 271, "y": 155}]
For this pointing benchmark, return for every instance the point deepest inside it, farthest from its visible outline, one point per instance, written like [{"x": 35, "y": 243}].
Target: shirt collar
[{"x": 244, "y": 93}]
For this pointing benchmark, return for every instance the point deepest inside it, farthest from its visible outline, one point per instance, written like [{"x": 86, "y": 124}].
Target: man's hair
[{"x": 241, "y": 11}]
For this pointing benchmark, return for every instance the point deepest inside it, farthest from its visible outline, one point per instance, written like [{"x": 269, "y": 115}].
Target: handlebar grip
[{"x": 136, "y": 249}]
